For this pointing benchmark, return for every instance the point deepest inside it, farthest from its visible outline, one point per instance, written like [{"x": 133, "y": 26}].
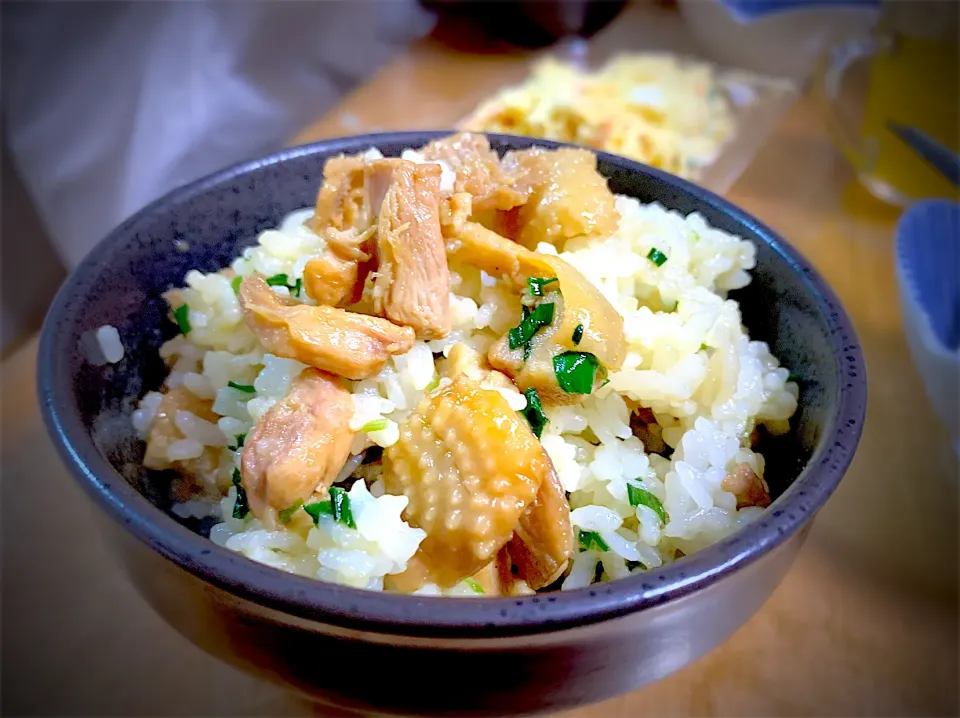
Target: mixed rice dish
[{"x": 463, "y": 375}]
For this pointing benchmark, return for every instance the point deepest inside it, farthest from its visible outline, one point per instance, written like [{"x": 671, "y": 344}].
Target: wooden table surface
[{"x": 866, "y": 622}]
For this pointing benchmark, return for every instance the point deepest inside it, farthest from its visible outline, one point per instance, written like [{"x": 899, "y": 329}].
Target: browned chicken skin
[
  {"x": 478, "y": 171},
  {"x": 338, "y": 276},
  {"x": 352, "y": 345},
  {"x": 412, "y": 286},
  {"x": 542, "y": 545},
  {"x": 343, "y": 202},
  {"x": 464, "y": 489},
  {"x": 543, "y": 540},
  {"x": 576, "y": 303},
  {"x": 299, "y": 445},
  {"x": 566, "y": 197},
  {"x": 477, "y": 246},
  {"x": 750, "y": 489}
]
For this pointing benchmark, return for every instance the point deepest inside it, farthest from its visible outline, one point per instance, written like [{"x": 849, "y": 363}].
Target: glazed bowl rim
[{"x": 409, "y": 615}]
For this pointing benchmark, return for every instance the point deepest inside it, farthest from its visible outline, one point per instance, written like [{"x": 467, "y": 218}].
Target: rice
[
  {"x": 689, "y": 360},
  {"x": 109, "y": 339}
]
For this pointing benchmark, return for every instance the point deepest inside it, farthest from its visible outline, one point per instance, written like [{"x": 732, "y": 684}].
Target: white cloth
[{"x": 110, "y": 105}]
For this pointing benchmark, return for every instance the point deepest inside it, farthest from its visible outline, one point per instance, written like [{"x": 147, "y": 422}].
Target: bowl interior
[{"x": 204, "y": 226}]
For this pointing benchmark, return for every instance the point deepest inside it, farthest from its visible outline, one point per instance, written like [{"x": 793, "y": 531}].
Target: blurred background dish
[
  {"x": 663, "y": 110},
  {"x": 906, "y": 71},
  {"x": 928, "y": 272}
]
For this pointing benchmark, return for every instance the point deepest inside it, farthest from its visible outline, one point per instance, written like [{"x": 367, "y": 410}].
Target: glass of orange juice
[{"x": 905, "y": 72}]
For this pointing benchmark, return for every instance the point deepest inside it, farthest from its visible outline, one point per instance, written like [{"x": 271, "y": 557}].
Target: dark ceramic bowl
[{"x": 410, "y": 654}]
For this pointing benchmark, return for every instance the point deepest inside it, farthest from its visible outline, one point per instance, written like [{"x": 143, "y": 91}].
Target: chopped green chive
[
  {"x": 338, "y": 506},
  {"x": 239, "y": 445},
  {"x": 235, "y": 283},
  {"x": 656, "y": 256},
  {"x": 575, "y": 371},
  {"x": 591, "y": 539},
  {"x": 245, "y": 388},
  {"x": 605, "y": 382},
  {"x": 793, "y": 376},
  {"x": 534, "y": 412},
  {"x": 287, "y": 514},
  {"x": 577, "y": 334},
  {"x": 278, "y": 280},
  {"x": 537, "y": 284},
  {"x": 240, "y": 506},
  {"x": 375, "y": 425},
  {"x": 541, "y": 316},
  {"x": 527, "y": 349},
  {"x": 474, "y": 586},
  {"x": 182, "y": 315},
  {"x": 297, "y": 287},
  {"x": 642, "y": 497},
  {"x": 434, "y": 383}
]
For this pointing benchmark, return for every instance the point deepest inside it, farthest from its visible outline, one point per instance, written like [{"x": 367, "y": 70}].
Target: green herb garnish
[
  {"x": 474, "y": 586},
  {"x": 534, "y": 412},
  {"x": 240, "y": 506},
  {"x": 235, "y": 283},
  {"x": 245, "y": 388},
  {"x": 434, "y": 383},
  {"x": 297, "y": 287},
  {"x": 656, "y": 256},
  {"x": 590, "y": 539},
  {"x": 541, "y": 316},
  {"x": 642, "y": 497},
  {"x": 182, "y": 315},
  {"x": 287, "y": 514},
  {"x": 537, "y": 284},
  {"x": 278, "y": 280},
  {"x": 374, "y": 425},
  {"x": 338, "y": 506},
  {"x": 793, "y": 376},
  {"x": 575, "y": 371},
  {"x": 239, "y": 445},
  {"x": 577, "y": 334}
]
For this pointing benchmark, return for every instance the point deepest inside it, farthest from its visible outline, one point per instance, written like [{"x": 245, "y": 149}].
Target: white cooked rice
[{"x": 689, "y": 359}]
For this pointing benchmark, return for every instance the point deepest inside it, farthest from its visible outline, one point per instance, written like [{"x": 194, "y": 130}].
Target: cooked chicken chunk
[
  {"x": 299, "y": 445},
  {"x": 343, "y": 202},
  {"x": 464, "y": 359},
  {"x": 644, "y": 426},
  {"x": 567, "y": 197},
  {"x": 413, "y": 283},
  {"x": 577, "y": 303},
  {"x": 497, "y": 579},
  {"x": 750, "y": 489},
  {"x": 352, "y": 345},
  {"x": 543, "y": 543},
  {"x": 338, "y": 276},
  {"x": 455, "y": 211},
  {"x": 164, "y": 432},
  {"x": 478, "y": 172},
  {"x": 470, "y": 467},
  {"x": 477, "y": 246}
]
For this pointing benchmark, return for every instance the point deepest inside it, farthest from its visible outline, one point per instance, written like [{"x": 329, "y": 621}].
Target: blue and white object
[
  {"x": 750, "y": 10},
  {"x": 928, "y": 271}
]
